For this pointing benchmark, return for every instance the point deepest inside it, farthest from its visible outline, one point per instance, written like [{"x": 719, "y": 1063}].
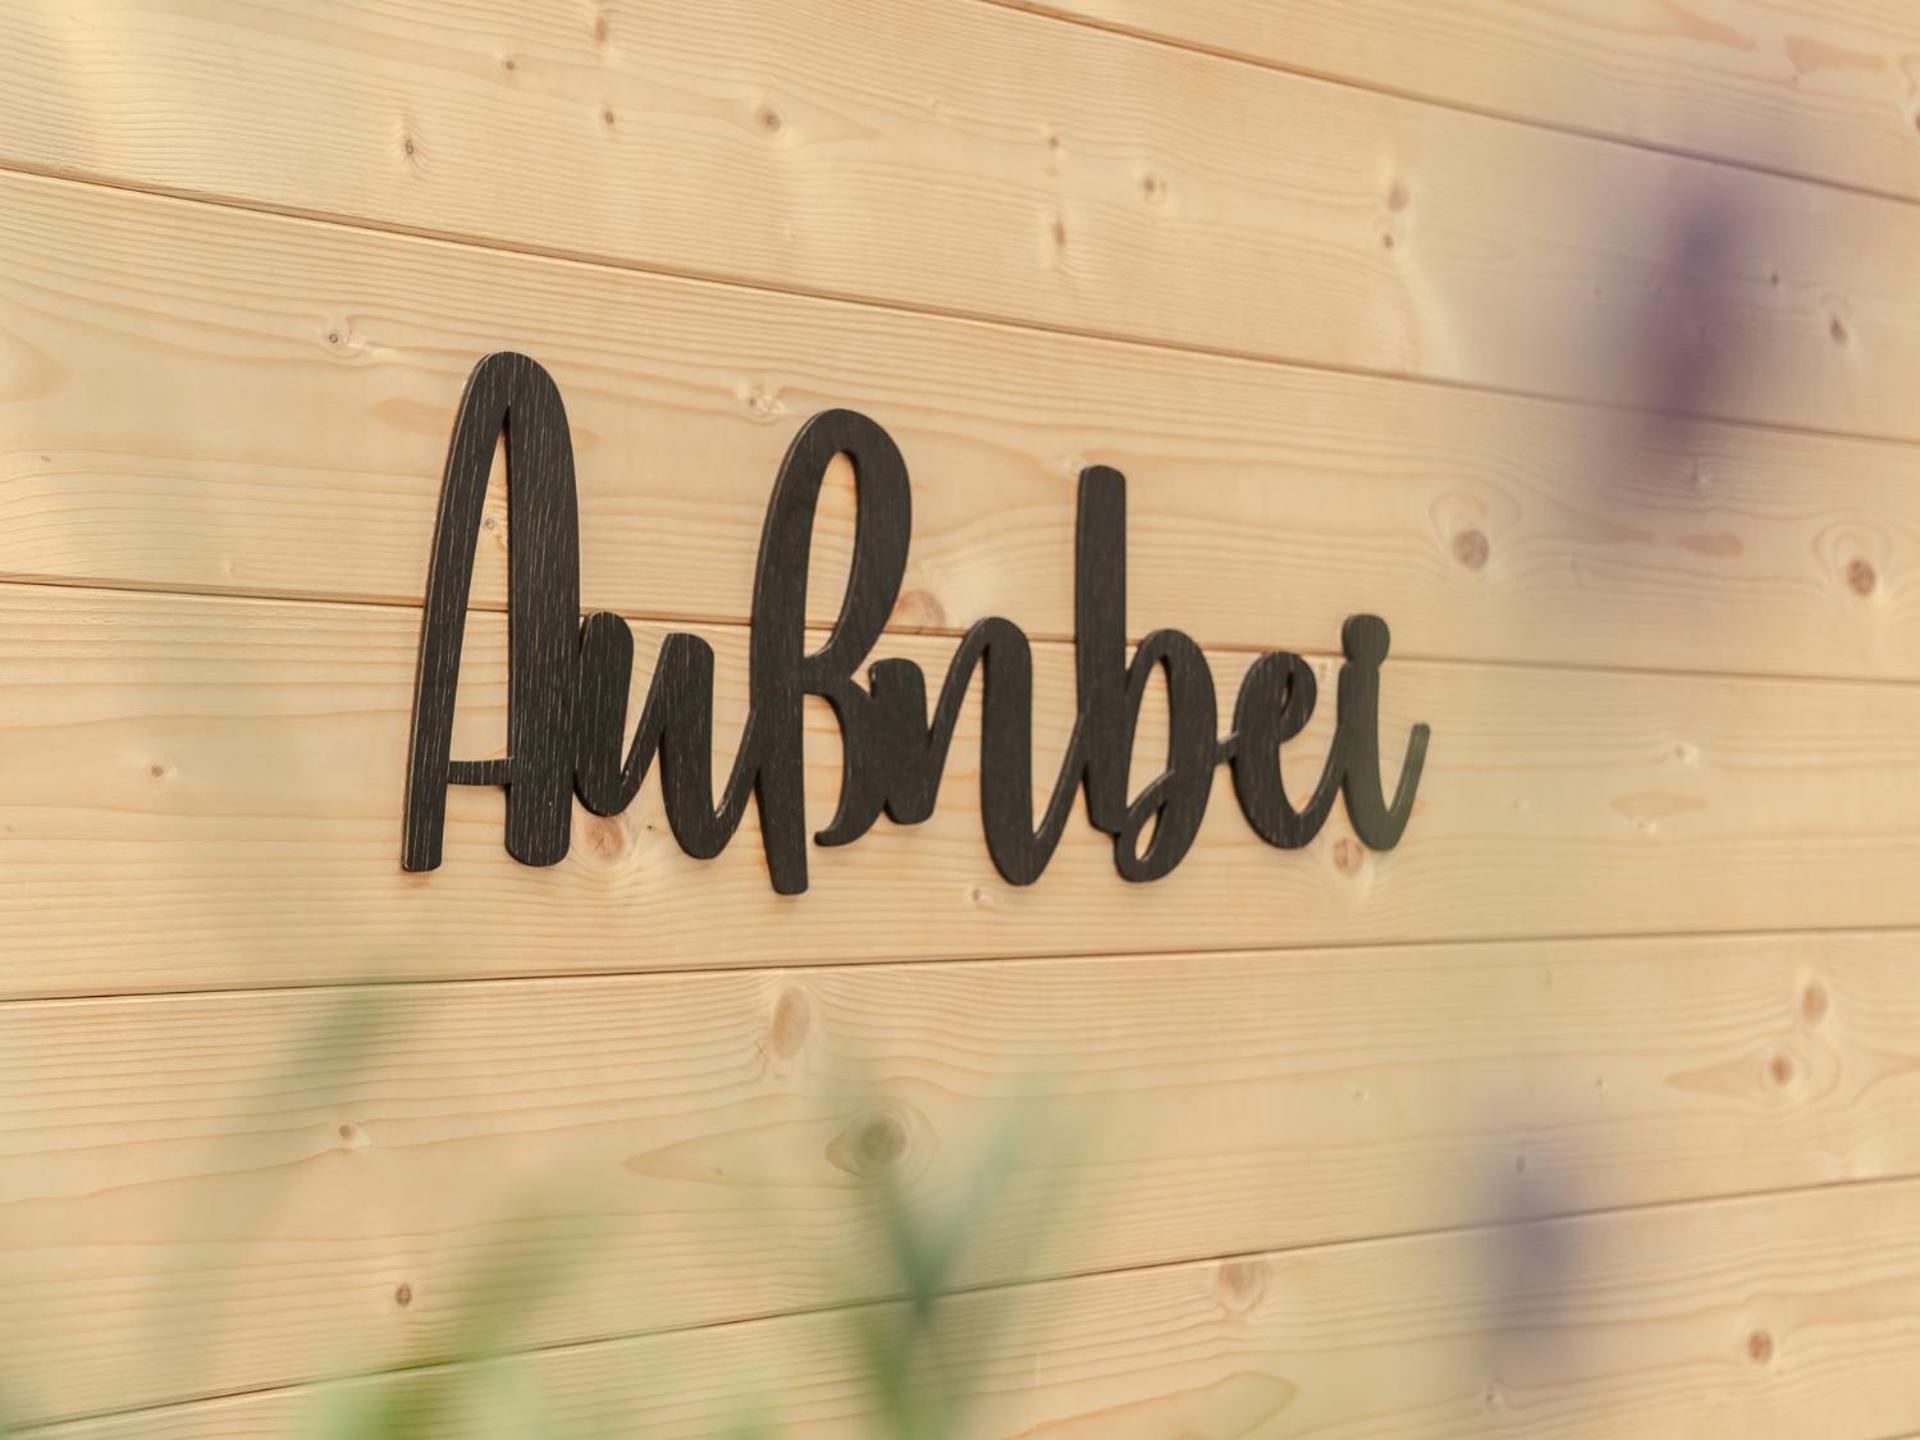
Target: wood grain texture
[
  {"x": 1821, "y": 88},
  {"x": 1024, "y": 246},
  {"x": 1767, "y": 1319},
  {"x": 685, "y": 1150},
  {"x": 284, "y": 433},
  {"x": 235, "y": 768},
  {"x": 957, "y": 156}
]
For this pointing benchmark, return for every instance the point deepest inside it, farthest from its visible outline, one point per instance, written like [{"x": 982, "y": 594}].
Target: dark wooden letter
[
  {"x": 568, "y": 684},
  {"x": 507, "y": 393}
]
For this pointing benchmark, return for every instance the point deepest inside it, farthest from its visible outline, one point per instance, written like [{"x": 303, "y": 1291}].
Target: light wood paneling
[
  {"x": 959, "y": 156},
  {"x": 1771, "y": 1319},
  {"x": 1655, "y": 654},
  {"x": 692, "y": 1149},
  {"x": 1822, "y": 88},
  {"x": 233, "y": 770},
  {"x": 284, "y": 432}
]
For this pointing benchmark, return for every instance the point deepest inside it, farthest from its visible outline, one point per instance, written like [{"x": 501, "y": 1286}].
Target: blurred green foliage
[{"x": 914, "y": 1360}]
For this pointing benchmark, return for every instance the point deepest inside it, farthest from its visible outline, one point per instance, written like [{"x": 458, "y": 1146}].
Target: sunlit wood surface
[{"x": 1579, "y": 341}]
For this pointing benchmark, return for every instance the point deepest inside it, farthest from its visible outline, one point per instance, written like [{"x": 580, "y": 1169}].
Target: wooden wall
[{"x": 1579, "y": 340}]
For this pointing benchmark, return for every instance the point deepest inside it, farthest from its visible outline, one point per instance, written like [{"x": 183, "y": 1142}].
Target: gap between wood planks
[{"x": 920, "y": 962}]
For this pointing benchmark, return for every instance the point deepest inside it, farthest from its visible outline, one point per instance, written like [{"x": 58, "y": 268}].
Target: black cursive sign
[{"x": 568, "y": 682}]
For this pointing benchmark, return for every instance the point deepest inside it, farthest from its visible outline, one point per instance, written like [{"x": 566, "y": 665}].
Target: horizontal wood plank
[
  {"x": 962, "y": 157},
  {"x": 284, "y": 433},
  {"x": 686, "y": 1150},
  {"x": 1769, "y": 1319},
  {"x": 1818, "y": 88},
  {"x": 233, "y": 771}
]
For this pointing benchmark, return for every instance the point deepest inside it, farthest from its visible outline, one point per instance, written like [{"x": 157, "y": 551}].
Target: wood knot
[
  {"x": 1814, "y": 1002},
  {"x": 344, "y": 340},
  {"x": 403, "y": 1294},
  {"x": 602, "y": 28},
  {"x": 1398, "y": 196},
  {"x": 792, "y": 1018},
  {"x": 882, "y": 1141},
  {"x": 1861, "y": 577},
  {"x": 1781, "y": 1069},
  {"x": 1242, "y": 1284},
  {"x": 605, "y": 836},
  {"x": 607, "y": 117},
  {"x": 1471, "y": 548},
  {"x": 1347, "y": 855},
  {"x": 874, "y": 1141},
  {"x": 1153, "y": 188},
  {"x": 1060, "y": 234},
  {"x": 769, "y": 119},
  {"x": 919, "y": 609},
  {"x": 351, "y": 1134},
  {"x": 1760, "y": 1347},
  {"x": 157, "y": 770},
  {"x": 1837, "y": 328}
]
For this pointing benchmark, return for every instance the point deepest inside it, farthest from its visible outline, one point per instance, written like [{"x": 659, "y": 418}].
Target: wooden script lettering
[{"x": 568, "y": 682}]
